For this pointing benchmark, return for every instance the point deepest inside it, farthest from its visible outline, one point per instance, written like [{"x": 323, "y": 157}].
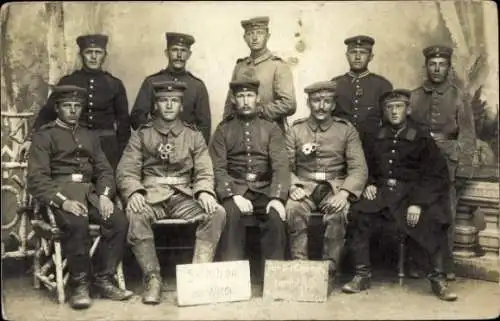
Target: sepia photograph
[{"x": 250, "y": 160}]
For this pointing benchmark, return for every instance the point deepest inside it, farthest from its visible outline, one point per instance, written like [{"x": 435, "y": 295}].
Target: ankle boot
[
  {"x": 440, "y": 287},
  {"x": 80, "y": 298},
  {"x": 203, "y": 252},
  {"x": 360, "y": 282},
  {"x": 152, "y": 289},
  {"x": 107, "y": 289}
]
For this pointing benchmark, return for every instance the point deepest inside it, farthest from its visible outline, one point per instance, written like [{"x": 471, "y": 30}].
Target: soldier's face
[
  {"x": 168, "y": 107},
  {"x": 256, "y": 39},
  {"x": 322, "y": 104},
  {"x": 437, "y": 69},
  {"x": 93, "y": 58},
  {"x": 69, "y": 111},
  {"x": 395, "y": 112},
  {"x": 178, "y": 56},
  {"x": 358, "y": 58},
  {"x": 246, "y": 102}
]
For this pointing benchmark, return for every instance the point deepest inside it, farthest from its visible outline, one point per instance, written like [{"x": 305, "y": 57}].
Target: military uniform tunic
[
  {"x": 328, "y": 154},
  {"x": 276, "y": 90},
  {"x": 170, "y": 184},
  {"x": 68, "y": 163},
  {"x": 106, "y": 112},
  {"x": 196, "y": 105},
  {"x": 358, "y": 99},
  {"x": 250, "y": 160}
]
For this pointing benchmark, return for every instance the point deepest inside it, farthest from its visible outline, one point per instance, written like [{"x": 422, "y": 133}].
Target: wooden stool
[{"x": 49, "y": 266}]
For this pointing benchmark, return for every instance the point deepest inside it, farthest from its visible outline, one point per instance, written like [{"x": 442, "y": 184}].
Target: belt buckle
[
  {"x": 320, "y": 176},
  {"x": 77, "y": 178},
  {"x": 250, "y": 177},
  {"x": 392, "y": 182}
]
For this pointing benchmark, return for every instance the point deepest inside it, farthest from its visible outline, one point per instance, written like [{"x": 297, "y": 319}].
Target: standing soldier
[
  {"x": 106, "y": 113},
  {"x": 328, "y": 171},
  {"x": 407, "y": 184},
  {"x": 276, "y": 91},
  {"x": 251, "y": 174},
  {"x": 64, "y": 159},
  {"x": 359, "y": 90},
  {"x": 166, "y": 172},
  {"x": 196, "y": 107},
  {"x": 439, "y": 105}
]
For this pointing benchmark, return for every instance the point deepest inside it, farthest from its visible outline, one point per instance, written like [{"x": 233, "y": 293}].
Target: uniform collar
[
  {"x": 429, "y": 87},
  {"x": 91, "y": 71},
  {"x": 357, "y": 76},
  {"x": 170, "y": 70},
  {"x": 63, "y": 125},
  {"x": 408, "y": 132},
  {"x": 165, "y": 128},
  {"x": 244, "y": 120},
  {"x": 266, "y": 55},
  {"x": 324, "y": 126}
]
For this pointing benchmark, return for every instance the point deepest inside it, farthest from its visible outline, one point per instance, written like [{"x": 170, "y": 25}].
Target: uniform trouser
[
  {"x": 76, "y": 241},
  {"x": 178, "y": 206},
  {"x": 367, "y": 224},
  {"x": 273, "y": 236},
  {"x": 298, "y": 214}
]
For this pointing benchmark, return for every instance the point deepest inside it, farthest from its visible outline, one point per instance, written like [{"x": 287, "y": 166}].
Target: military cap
[
  {"x": 172, "y": 87},
  {"x": 395, "y": 95},
  {"x": 321, "y": 85},
  {"x": 256, "y": 22},
  {"x": 437, "y": 51},
  {"x": 175, "y": 38},
  {"x": 69, "y": 93},
  {"x": 94, "y": 40},
  {"x": 244, "y": 83},
  {"x": 360, "y": 41}
]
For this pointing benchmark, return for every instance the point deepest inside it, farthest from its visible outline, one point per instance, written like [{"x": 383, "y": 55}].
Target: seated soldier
[
  {"x": 166, "y": 172},
  {"x": 328, "y": 171},
  {"x": 407, "y": 186},
  {"x": 64, "y": 159},
  {"x": 251, "y": 174}
]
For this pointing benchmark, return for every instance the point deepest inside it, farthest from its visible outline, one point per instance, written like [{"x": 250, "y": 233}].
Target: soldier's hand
[
  {"x": 338, "y": 202},
  {"x": 208, "y": 202},
  {"x": 413, "y": 215},
  {"x": 106, "y": 206},
  {"x": 297, "y": 193},
  {"x": 136, "y": 203},
  {"x": 75, "y": 208},
  {"x": 278, "y": 207},
  {"x": 244, "y": 205},
  {"x": 24, "y": 151},
  {"x": 370, "y": 192}
]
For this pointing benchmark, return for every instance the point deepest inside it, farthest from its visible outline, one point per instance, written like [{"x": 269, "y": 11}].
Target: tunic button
[
  {"x": 90, "y": 95},
  {"x": 249, "y": 154},
  {"x": 247, "y": 133},
  {"x": 246, "y": 124},
  {"x": 90, "y": 117},
  {"x": 248, "y": 147},
  {"x": 91, "y": 103},
  {"x": 355, "y": 101},
  {"x": 393, "y": 151},
  {"x": 91, "y": 87},
  {"x": 226, "y": 183},
  {"x": 394, "y": 141},
  {"x": 80, "y": 146},
  {"x": 355, "y": 116},
  {"x": 91, "y": 80},
  {"x": 175, "y": 79},
  {"x": 248, "y": 139},
  {"x": 390, "y": 161},
  {"x": 250, "y": 160},
  {"x": 90, "y": 110}
]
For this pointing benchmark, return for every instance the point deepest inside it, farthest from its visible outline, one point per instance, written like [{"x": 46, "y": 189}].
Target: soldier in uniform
[
  {"x": 439, "y": 105},
  {"x": 64, "y": 158},
  {"x": 196, "y": 106},
  {"x": 106, "y": 112},
  {"x": 166, "y": 172},
  {"x": 328, "y": 172},
  {"x": 408, "y": 181},
  {"x": 251, "y": 174},
  {"x": 276, "y": 91},
  {"x": 359, "y": 90}
]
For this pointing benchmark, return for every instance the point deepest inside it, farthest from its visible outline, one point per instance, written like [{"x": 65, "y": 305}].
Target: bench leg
[
  {"x": 36, "y": 264},
  {"x": 59, "y": 272},
  {"x": 401, "y": 261}
]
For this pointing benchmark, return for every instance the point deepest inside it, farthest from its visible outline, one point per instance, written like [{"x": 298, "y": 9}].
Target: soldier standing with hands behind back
[{"x": 276, "y": 91}]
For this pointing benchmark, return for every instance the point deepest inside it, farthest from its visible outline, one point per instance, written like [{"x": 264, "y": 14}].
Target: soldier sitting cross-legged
[
  {"x": 64, "y": 159},
  {"x": 166, "y": 172}
]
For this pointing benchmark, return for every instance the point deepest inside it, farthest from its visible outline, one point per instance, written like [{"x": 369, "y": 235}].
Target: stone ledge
[{"x": 486, "y": 269}]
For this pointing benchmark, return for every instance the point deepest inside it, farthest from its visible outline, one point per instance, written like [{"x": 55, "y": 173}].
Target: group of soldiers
[{"x": 367, "y": 157}]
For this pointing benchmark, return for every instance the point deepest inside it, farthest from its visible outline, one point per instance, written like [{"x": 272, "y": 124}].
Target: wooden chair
[{"x": 49, "y": 266}]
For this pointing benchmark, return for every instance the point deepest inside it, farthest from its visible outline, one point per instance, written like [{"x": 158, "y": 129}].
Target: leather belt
[
  {"x": 250, "y": 177},
  {"x": 169, "y": 180},
  {"x": 77, "y": 178},
  {"x": 443, "y": 136},
  {"x": 318, "y": 176},
  {"x": 104, "y": 132}
]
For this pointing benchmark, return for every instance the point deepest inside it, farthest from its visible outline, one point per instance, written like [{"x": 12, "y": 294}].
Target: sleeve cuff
[{"x": 58, "y": 200}]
